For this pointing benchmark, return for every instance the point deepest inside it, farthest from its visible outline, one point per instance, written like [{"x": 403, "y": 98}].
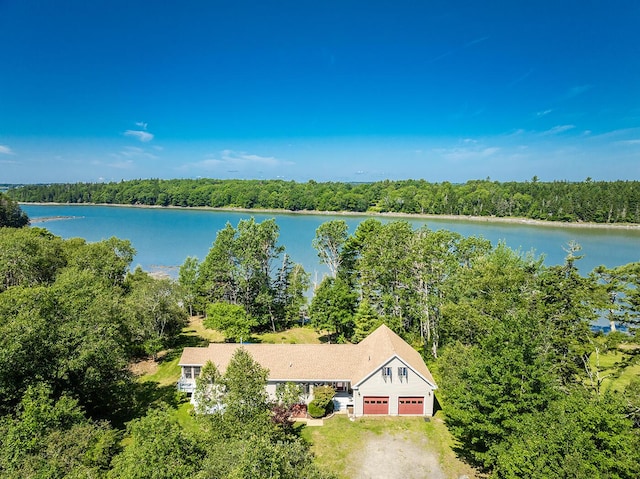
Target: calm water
[{"x": 163, "y": 238}]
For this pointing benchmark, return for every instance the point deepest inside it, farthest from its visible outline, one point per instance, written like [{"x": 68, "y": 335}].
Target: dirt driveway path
[{"x": 397, "y": 456}]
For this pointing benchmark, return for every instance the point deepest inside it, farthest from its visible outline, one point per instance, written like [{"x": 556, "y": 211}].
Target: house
[{"x": 381, "y": 375}]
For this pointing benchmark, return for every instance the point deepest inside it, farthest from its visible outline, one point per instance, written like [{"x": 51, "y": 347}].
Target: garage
[
  {"x": 376, "y": 405},
  {"x": 411, "y": 405}
]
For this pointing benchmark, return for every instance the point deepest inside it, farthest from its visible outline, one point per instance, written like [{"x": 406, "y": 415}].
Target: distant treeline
[{"x": 587, "y": 201}]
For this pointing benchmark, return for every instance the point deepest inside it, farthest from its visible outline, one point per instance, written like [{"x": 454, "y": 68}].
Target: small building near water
[{"x": 381, "y": 375}]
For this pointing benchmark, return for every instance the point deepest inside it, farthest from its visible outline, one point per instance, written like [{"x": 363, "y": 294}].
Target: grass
[
  {"x": 296, "y": 335},
  {"x": 340, "y": 440},
  {"x": 618, "y": 366},
  {"x": 197, "y": 329},
  {"x": 167, "y": 372}
]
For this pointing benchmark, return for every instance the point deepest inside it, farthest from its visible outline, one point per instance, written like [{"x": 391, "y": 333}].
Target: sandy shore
[
  {"x": 478, "y": 219},
  {"x": 46, "y": 219}
]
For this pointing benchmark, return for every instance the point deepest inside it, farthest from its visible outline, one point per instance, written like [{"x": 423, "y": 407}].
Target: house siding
[{"x": 411, "y": 386}]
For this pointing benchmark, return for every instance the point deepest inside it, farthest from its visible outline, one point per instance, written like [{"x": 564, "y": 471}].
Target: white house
[{"x": 380, "y": 375}]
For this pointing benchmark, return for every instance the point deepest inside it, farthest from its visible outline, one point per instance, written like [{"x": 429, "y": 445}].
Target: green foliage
[
  {"x": 209, "y": 392},
  {"x": 322, "y": 403},
  {"x": 315, "y": 410},
  {"x": 29, "y": 256},
  {"x": 188, "y": 278},
  {"x": 365, "y": 321},
  {"x": 289, "y": 394},
  {"x": 108, "y": 259},
  {"x": 245, "y": 398},
  {"x": 159, "y": 448},
  {"x": 156, "y": 309},
  {"x": 515, "y": 365},
  {"x": 231, "y": 319},
  {"x": 329, "y": 241},
  {"x": 576, "y": 436},
  {"x": 239, "y": 269},
  {"x": 53, "y": 439},
  {"x": 11, "y": 215},
  {"x": 490, "y": 385},
  {"x": 333, "y": 306},
  {"x": 631, "y": 399},
  {"x": 71, "y": 320}
]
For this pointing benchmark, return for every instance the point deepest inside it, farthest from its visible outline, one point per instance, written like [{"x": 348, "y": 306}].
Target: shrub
[
  {"x": 315, "y": 410},
  {"x": 322, "y": 403}
]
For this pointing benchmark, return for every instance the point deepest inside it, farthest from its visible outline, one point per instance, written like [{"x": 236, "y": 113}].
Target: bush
[
  {"x": 315, "y": 410},
  {"x": 328, "y": 409},
  {"x": 322, "y": 403}
]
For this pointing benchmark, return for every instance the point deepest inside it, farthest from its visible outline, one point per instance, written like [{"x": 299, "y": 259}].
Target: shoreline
[{"x": 476, "y": 219}]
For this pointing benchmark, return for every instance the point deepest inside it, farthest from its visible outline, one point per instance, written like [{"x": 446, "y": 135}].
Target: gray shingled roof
[{"x": 317, "y": 362}]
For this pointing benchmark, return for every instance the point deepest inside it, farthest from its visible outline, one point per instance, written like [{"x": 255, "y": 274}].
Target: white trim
[{"x": 394, "y": 356}]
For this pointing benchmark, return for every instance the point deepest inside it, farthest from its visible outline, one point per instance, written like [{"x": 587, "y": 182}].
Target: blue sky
[{"x": 324, "y": 90}]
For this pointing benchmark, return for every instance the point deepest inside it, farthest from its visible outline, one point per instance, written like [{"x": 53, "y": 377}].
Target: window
[
  {"x": 187, "y": 372},
  {"x": 402, "y": 373},
  {"x": 386, "y": 373},
  {"x": 196, "y": 371}
]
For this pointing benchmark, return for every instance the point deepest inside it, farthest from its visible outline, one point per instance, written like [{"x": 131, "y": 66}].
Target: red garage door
[
  {"x": 376, "y": 405},
  {"x": 413, "y": 405}
]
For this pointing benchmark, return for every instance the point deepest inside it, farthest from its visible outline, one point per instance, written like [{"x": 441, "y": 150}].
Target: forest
[
  {"x": 507, "y": 338},
  {"x": 586, "y": 201}
]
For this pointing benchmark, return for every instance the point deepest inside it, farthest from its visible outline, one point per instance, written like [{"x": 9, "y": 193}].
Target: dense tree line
[{"x": 587, "y": 201}]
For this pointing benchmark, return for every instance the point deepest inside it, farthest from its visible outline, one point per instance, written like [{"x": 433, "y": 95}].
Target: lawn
[
  {"x": 618, "y": 366},
  {"x": 296, "y": 335},
  {"x": 166, "y": 371},
  {"x": 196, "y": 328},
  {"x": 339, "y": 442}
]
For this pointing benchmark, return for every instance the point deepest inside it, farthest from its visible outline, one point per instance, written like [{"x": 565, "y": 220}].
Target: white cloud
[
  {"x": 558, "y": 129},
  {"x": 543, "y": 113},
  {"x": 241, "y": 158},
  {"x": 135, "y": 152},
  {"x": 126, "y": 158},
  {"x": 233, "y": 161},
  {"x": 143, "y": 136},
  {"x": 629, "y": 142},
  {"x": 5, "y": 150},
  {"x": 618, "y": 133},
  {"x": 142, "y": 124}
]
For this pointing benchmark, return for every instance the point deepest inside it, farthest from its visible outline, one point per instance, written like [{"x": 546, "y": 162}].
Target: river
[{"x": 164, "y": 237}]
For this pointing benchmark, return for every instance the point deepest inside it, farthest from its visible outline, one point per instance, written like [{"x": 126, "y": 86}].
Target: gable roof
[
  {"x": 317, "y": 362},
  {"x": 382, "y": 345}
]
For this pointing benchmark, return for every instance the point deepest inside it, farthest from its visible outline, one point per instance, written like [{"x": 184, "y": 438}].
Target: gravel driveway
[{"x": 399, "y": 456}]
